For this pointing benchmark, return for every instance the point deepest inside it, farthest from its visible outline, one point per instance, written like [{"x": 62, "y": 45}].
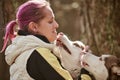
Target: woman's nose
[{"x": 56, "y": 25}]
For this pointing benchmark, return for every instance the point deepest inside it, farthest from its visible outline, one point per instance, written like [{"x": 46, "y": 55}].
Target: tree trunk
[{"x": 7, "y": 13}]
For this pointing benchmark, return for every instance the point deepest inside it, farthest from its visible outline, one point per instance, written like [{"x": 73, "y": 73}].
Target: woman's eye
[{"x": 51, "y": 21}]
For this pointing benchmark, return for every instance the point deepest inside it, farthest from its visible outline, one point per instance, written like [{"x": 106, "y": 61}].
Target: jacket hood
[{"x": 22, "y": 43}]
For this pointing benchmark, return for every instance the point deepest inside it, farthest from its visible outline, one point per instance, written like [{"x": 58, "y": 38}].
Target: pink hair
[
  {"x": 31, "y": 11},
  {"x": 9, "y": 33}
]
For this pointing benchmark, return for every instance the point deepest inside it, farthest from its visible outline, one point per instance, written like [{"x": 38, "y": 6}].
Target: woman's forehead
[{"x": 48, "y": 12}]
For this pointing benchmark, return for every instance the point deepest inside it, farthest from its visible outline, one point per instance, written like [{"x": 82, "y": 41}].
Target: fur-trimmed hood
[{"x": 22, "y": 43}]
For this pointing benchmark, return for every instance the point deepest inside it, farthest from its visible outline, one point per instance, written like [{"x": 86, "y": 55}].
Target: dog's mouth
[
  {"x": 83, "y": 63},
  {"x": 61, "y": 44}
]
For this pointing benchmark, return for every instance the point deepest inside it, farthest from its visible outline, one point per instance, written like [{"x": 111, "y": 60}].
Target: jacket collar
[{"x": 43, "y": 38}]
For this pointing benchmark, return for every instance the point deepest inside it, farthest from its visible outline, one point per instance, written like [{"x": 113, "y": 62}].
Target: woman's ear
[{"x": 32, "y": 27}]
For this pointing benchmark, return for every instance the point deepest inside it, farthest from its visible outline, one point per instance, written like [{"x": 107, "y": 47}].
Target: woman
[{"x": 28, "y": 59}]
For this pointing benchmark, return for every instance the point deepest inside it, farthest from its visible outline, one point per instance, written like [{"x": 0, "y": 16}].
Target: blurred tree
[
  {"x": 7, "y": 13},
  {"x": 94, "y": 22},
  {"x": 102, "y": 22}
]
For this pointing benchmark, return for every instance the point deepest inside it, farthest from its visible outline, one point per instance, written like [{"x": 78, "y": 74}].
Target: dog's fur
[{"x": 106, "y": 67}]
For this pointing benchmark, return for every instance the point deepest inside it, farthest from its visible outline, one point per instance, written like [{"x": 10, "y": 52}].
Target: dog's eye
[
  {"x": 100, "y": 58},
  {"x": 75, "y": 44},
  {"x": 78, "y": 46}
]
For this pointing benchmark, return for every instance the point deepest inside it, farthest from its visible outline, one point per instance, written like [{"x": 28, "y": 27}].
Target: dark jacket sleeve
[
  {"x": 39, "y": 69},
  {"x": 85, "y": 75}
]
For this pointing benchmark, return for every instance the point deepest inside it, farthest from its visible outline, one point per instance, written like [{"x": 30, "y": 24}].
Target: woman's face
[{"x": 47, "y": 26}]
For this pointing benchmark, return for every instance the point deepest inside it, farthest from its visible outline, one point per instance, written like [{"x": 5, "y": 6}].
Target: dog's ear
[
  {"x": 110, "y": 61},
  {"x": 104, "y": 57}
]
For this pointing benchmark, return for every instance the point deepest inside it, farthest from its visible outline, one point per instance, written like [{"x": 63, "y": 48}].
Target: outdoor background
[{"x": 95, "y": 22}]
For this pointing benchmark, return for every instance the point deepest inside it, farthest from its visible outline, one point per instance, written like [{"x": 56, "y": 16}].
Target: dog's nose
[
  {"x": 61, "y": 33},
  {"x": 86, "y": 48}
]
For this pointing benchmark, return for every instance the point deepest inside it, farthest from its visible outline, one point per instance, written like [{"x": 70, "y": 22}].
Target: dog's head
[
  {"x": 107, "y": 66},
  {"x": 69, "y": 53}
]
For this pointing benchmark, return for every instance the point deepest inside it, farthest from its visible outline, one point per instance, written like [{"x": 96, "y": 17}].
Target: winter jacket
[{"x": 28, "y": 60}]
